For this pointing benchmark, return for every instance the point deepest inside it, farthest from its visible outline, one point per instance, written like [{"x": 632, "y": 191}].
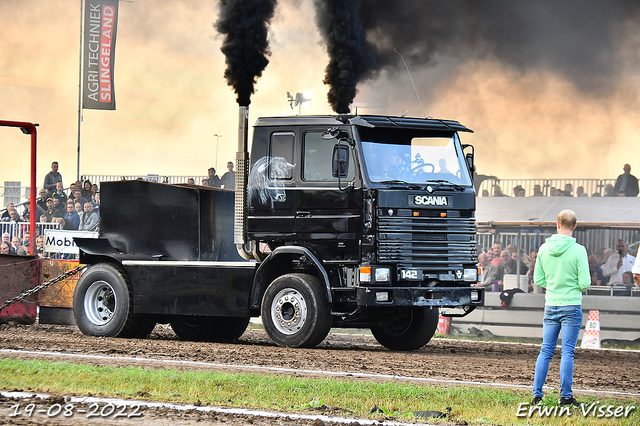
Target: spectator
[
  {"x": 492, "y": 277},
  {"x": 79, "y": 209},
  {"x": 205, "y": 182},
  {"x": 483, "y": 262},
  {"x": 58, "y": 203},
  {"x": 568, "y": 190},
  {"x": 89, "y": 220},
  {"x": 213, "y": 180},
  {"x": 191, "y": 181},
  {"x": 51, "y": 179},
  {"x": 78, "y": 198},
  {"x": 43, "y": 219},
  {"x": 537, "y": 191},
  {"x": 626, "y": 184},
  {"x": 6, "y": 239},
  {"x": 518, "y": 191},
  {"x": 609, "y": 190},
  {"x": 618, "y": 263},
  {"x": 94, "y": 192},
  {"x": 627, "y": 279},
  {"x": 600, "y": 260},
  {"x": 42, "y": 202},
  {"x": 5, "y": 215},
  {"x": 72, "y": 220},
  {"x": 228, "y": 180},
  {"x": 51, "y": 212},
  {"x": 86, "y": 190},
  {"x": 96, "y": 205},
  {"x": 511, "y": 264},
  {"x": 72, "y": 188},
  {"x": 39, "y": 246},
  {"x": 59, "y": 193},
  {"x": 27, "y": 215},
  {"x": 580, "y": 192},
  {"x": 26, "y": 240},
  {"x": 497, "y": 249},
  {"x": 15, "y": 244},
  {"x": 5, "y": 248}
]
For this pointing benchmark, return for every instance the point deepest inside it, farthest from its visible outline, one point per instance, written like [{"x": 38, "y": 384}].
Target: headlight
[
  {"x": 383, "y": 275},
  {"x": 471, "y": 275}
]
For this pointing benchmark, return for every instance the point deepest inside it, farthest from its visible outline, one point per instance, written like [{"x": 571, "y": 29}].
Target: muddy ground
[{"x": 604, "y": 370}]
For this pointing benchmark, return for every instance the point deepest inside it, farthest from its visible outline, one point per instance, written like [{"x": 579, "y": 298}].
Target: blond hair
[{"x": 567, "y": 220}]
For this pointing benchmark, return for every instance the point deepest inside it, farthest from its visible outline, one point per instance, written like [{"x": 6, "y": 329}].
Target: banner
[
  {"x": 61, "y": 241},
  {"x": 100, "y": 27}
]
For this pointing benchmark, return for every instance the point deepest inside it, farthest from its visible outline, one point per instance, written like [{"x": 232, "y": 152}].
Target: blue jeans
[{"x": 556, "y": 318}]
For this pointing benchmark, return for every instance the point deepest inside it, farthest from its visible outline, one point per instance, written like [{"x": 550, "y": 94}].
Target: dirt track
[{"x": 440, "y": 359}]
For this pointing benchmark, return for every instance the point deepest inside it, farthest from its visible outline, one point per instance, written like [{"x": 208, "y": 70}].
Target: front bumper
[{"x": 420, "y": 296}]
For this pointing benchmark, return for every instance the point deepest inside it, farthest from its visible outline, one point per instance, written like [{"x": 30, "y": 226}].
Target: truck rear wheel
[
  {"x": 410, "y": 329},
  {"x": 103, "y": 306},
  {"x": 295, "y": 311},
  {"x": 209, "y": 329}
]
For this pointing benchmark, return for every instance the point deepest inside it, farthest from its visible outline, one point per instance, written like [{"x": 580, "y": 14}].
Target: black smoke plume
[
  {"x": 350, "y": 57},
  {"x": 576, "y": 40},
  {"x": 244, "y": 24}
]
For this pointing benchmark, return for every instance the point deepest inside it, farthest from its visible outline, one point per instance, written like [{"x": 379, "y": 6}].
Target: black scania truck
[{"x": 336, "y": 221}]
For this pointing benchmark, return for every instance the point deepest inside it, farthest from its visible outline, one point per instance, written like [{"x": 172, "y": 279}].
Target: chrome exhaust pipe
[{"x": 242, "y": 172}]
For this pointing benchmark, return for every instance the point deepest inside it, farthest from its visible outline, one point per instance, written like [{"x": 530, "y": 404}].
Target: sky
[{"x": 551, "y": 89}]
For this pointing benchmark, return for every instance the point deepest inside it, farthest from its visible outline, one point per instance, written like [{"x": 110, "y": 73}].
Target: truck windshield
[{"x": 419, "y": 160}]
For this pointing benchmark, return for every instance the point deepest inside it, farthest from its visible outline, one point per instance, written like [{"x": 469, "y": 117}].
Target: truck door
[{"x": 325, "y": 211}]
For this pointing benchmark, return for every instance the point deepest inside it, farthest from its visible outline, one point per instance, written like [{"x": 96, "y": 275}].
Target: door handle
[{"x": 303, "y": 214}]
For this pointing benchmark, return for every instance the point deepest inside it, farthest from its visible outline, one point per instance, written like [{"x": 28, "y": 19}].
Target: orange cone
[{"x": 591, "y": 336}]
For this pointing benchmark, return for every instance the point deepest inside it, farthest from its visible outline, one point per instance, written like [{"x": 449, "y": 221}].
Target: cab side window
[
  {"x": 281, "y": 145},
  {"x": 317, "y": 157}
]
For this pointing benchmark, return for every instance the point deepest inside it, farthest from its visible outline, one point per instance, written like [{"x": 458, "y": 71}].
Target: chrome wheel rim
[
  {"x": 289, "y": 311},
  {"x": 100, "y": 303}
]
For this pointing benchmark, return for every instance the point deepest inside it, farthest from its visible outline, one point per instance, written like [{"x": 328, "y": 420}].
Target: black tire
[
  {"x": 103, "y": 305},
  {"x": 410, "y": 329},
  {"x": 209, "y": 329},
  {"x": 295, "y": 311}
]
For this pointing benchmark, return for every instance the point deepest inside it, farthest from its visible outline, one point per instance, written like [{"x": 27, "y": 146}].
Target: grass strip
[{"x": 475, "y": 405}]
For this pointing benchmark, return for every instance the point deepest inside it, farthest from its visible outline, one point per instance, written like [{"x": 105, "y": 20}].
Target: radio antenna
[{"x": 395, "y": 49}]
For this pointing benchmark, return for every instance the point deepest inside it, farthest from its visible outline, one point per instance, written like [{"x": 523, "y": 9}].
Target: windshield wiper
[
  {"x": 401, "y": 184},
  {"x": 440, "y": 183}
]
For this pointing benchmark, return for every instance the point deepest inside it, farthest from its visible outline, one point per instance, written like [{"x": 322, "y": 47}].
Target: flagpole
[{"x": 80, "y": 91}]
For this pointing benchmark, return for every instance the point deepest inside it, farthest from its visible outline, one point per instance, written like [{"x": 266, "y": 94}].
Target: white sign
[{"x": 61, "y": 241}]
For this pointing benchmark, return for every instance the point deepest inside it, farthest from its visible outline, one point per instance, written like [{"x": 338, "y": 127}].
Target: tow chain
[{"x": 36, "y": 289}]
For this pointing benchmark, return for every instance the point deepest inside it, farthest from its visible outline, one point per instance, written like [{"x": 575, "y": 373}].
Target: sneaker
[
  {"x": 569, "y": 401},
  {"x": 536, "y": 400}
]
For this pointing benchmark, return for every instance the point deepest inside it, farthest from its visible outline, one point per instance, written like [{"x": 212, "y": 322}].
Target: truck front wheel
[
  {"x": 102, "y": 304},
  {"x": 409, "y": 329},
  {"x": 295, "y": 311}
]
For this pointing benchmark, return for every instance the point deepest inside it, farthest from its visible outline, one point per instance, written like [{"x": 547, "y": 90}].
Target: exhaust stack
[{"x": 242, "y": 171}]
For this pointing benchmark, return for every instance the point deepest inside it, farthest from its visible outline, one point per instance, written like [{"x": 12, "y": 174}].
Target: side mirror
[
  {"x": 340, "y": 161},
  {"x": 469, "y": 159}
]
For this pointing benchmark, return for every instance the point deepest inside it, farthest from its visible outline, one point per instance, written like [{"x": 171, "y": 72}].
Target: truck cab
[{"x": 383, "y": 206}]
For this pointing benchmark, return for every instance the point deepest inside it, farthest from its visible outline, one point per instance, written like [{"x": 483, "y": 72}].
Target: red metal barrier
[{"x": 18, "y": 274}]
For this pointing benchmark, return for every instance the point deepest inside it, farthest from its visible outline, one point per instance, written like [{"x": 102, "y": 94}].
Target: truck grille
[{"x": 433, "y": 243}]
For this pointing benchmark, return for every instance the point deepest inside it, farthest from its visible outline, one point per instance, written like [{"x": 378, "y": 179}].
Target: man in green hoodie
[{"x": 563, "y": 269}]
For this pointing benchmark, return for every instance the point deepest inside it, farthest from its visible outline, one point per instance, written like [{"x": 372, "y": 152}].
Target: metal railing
[
  {"x": 592, "y": 239},
  {"x": 591, "y": 187},
  {"x": 18, "y": 229}
]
